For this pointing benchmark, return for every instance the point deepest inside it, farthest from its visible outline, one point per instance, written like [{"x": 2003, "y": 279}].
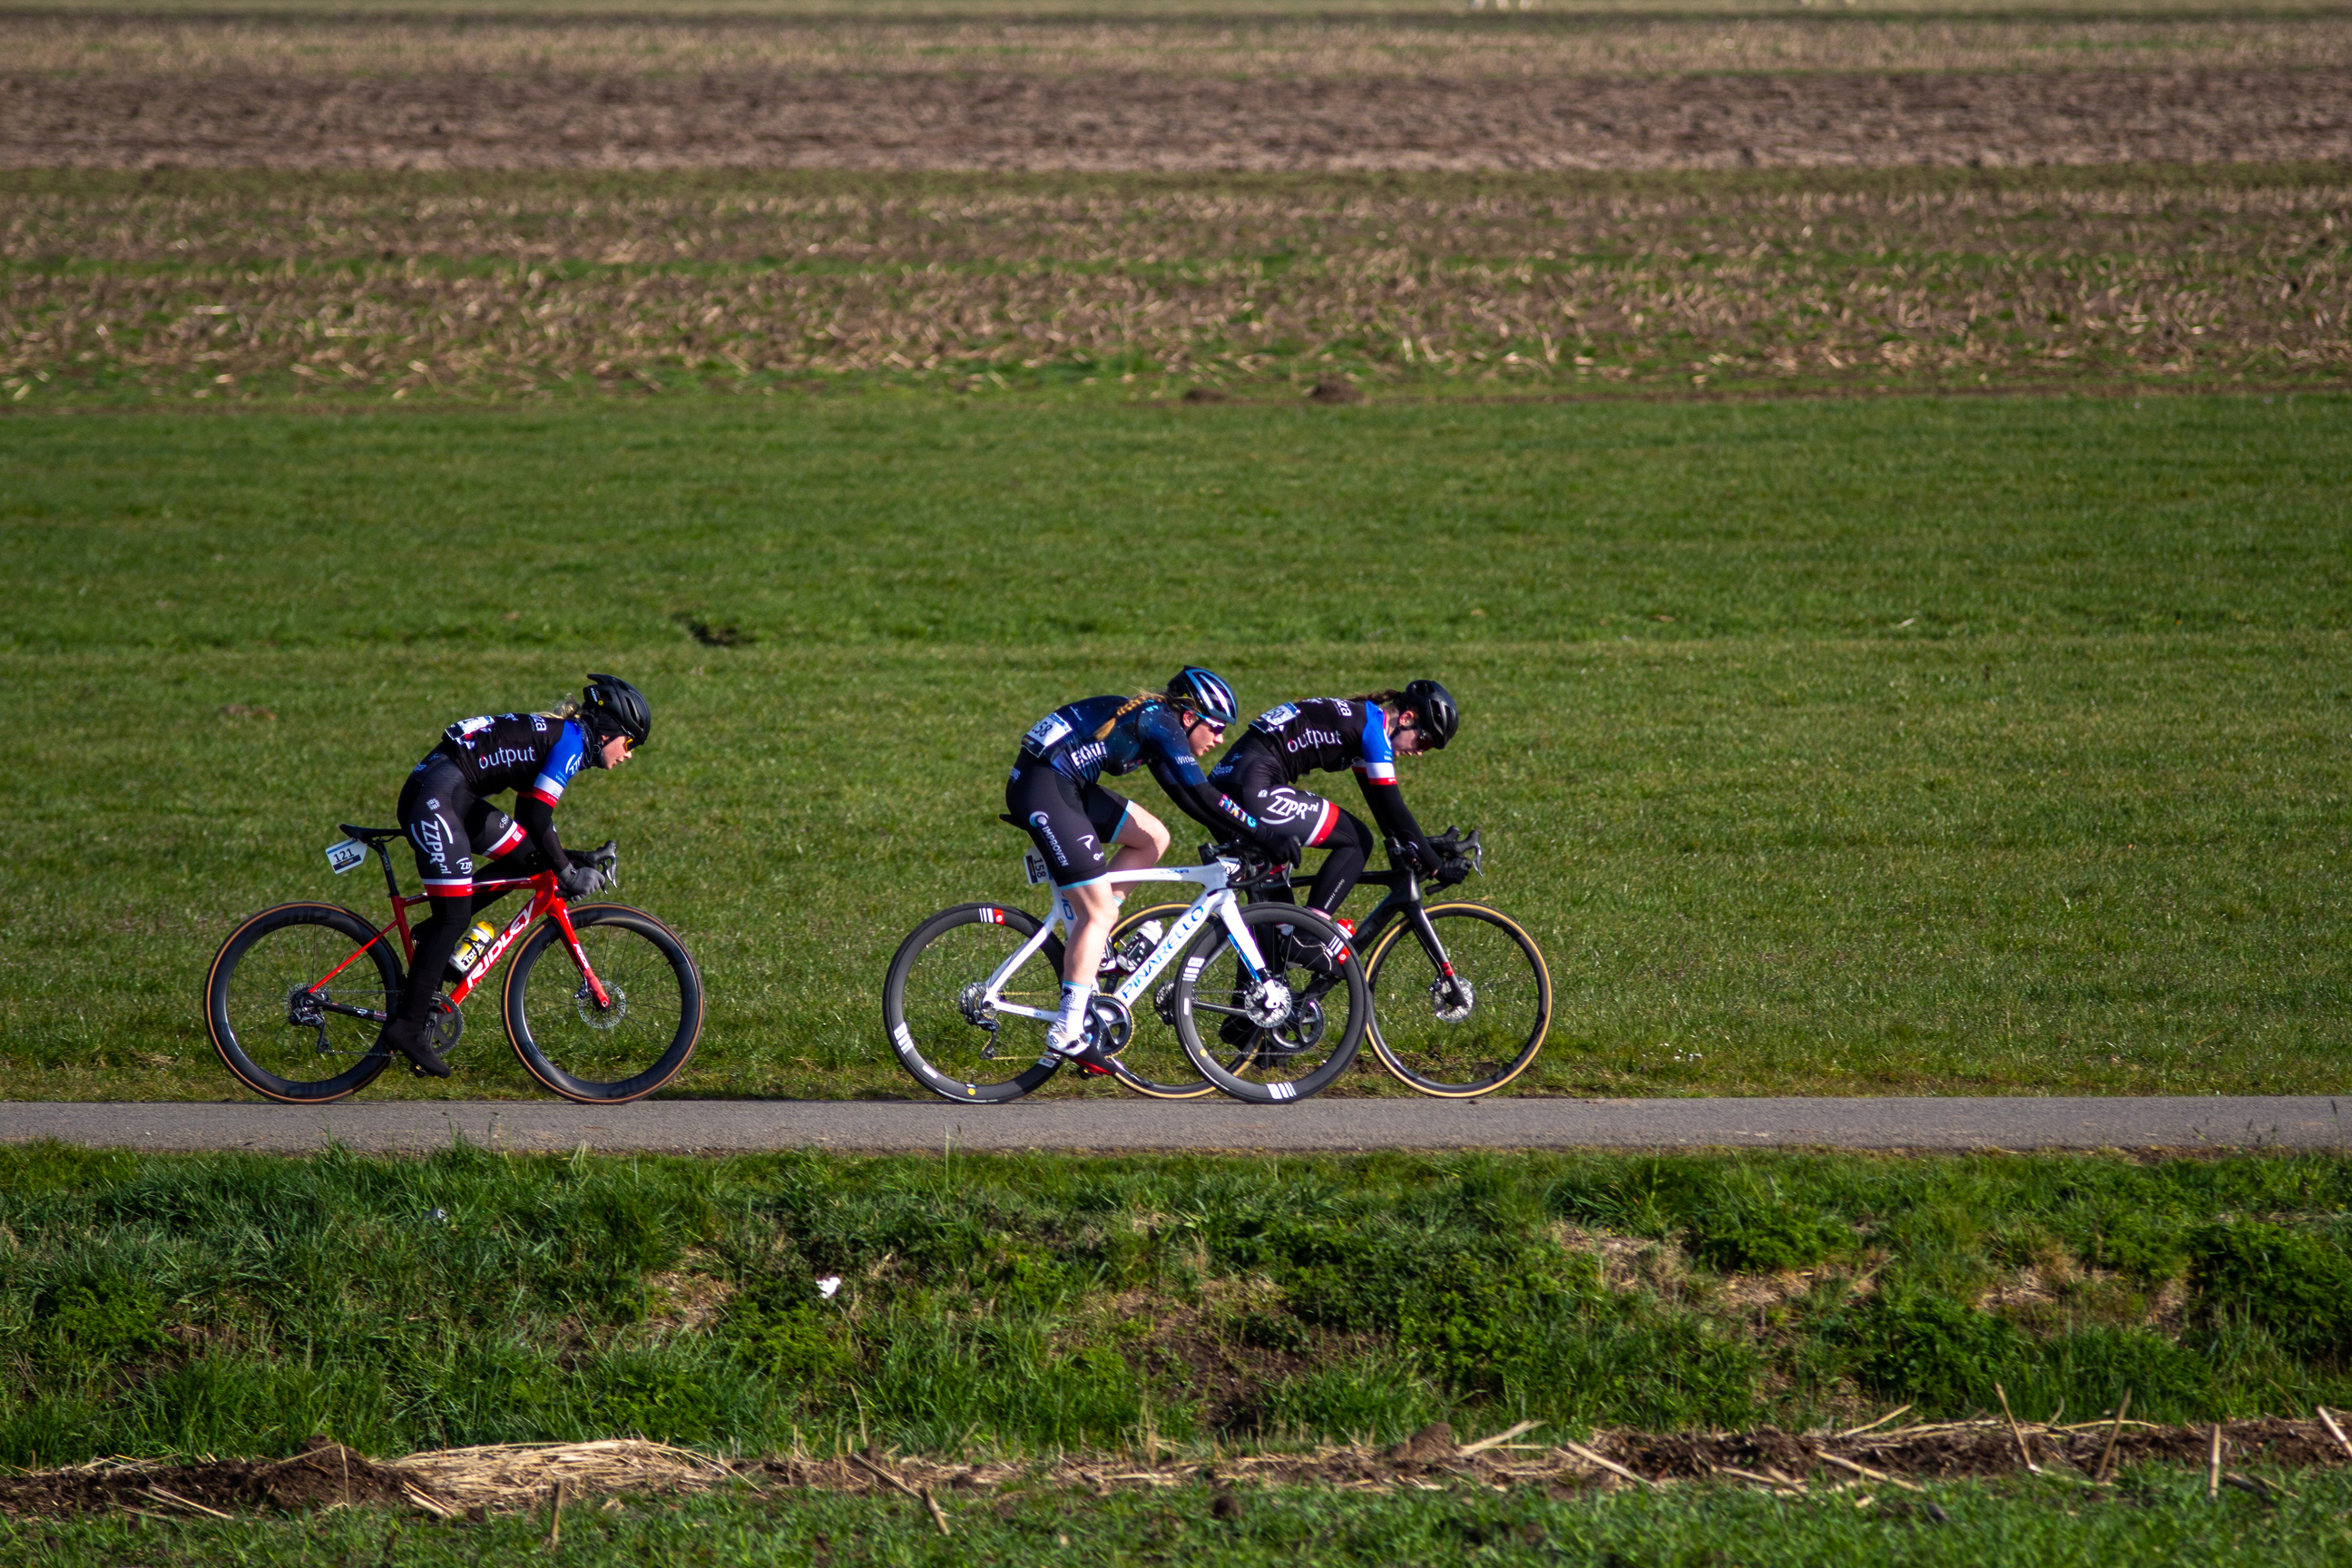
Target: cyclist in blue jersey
[
  {"x": 1364, "y": 734},
  {"x": 450, "y": 822},
  {"x": 1086, "y": 831}
]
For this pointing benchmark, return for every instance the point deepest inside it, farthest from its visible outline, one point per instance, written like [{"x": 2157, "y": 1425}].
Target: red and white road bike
[{"x": 297, "y": 998}]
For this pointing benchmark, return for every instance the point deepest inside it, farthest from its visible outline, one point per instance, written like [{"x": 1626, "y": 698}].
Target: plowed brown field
[
  {"x": 1148, "y": 121},
  {"x": 1414, "y": 94},
  {"x": 1447, "y": 220}
]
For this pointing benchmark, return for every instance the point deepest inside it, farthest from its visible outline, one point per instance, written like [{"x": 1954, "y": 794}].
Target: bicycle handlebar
[{"x": 1257, "y": 871}]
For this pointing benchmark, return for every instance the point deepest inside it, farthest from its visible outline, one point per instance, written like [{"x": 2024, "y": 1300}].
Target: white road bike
[{"x": 1268, "y": 1002}]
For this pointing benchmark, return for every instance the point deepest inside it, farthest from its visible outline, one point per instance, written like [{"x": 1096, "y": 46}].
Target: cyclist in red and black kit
[
  {"x": 1085, "y": 831},
  {"x": 1365, "y": 735},
  {"x": 450, "y": 822}
]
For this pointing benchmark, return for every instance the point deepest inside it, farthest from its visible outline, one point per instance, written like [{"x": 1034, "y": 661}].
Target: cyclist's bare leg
[{"x": 1142, "y": 842}]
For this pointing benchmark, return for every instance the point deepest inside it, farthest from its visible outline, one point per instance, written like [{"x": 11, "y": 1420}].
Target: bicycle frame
[
  {"x": 1404, "y": 902},
  {"x": 545, "y": 900},
  {"x": 1216, "y": 901}
]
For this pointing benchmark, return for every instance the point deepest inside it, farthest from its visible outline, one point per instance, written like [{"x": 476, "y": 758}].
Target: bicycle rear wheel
[
  {"x": 1473, "y": 1031},
  {"x": 946, "y": 1040},
  {"x": 1283, "y": 1035},
  {"x": 280, "y": 1025},
  {"x": 603, "y": 1056},
  {"x": 1153, "y": 1062}
]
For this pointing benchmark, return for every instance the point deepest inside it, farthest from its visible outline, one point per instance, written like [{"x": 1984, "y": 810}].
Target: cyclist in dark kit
[
  {"x": 1365, "y": 733},
  {"x": 1085, "y": 831},
  {"x": 450, "y": 822}
]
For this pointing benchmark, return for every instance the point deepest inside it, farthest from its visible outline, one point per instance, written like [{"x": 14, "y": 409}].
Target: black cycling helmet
[
  {"x": 1432, "y": 706},
  {"x": 610, "y": 706},
  {"x": 1203, "y": 693}
]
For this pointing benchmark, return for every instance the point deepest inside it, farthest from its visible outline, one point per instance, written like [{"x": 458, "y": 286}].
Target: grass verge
[{"x": 1030, "y": 1306}]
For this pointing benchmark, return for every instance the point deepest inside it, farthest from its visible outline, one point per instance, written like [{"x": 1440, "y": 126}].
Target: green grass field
[{"x": 1899, "y": 746}]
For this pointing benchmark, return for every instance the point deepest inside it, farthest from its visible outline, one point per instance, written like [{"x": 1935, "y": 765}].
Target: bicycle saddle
[{"x": 371, "y": 834}]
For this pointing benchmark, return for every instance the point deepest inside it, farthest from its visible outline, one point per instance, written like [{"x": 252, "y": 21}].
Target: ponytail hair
[
  {"x": 1102, "y": 732},
  {"x": 1389, "y": 701}
]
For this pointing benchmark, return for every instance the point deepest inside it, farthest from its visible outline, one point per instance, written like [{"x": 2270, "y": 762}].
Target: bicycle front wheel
[
  {"x": 296, "y": 1009},
  {"x": 949, "y": 1038},
  {"x": 637, "y": 1042},
  {"x": 1283, "y": 1035},
  {"x": 1154, "y": 1063},
  {"x": 1467, "y": 1019}
]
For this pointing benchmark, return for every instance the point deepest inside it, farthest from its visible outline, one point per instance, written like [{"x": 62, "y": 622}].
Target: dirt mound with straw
[
  {"x": 475, "y": 1482},
  {"x": 323, "y": 1475}
]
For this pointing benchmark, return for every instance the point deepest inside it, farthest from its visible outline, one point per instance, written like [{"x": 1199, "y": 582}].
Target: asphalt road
[{"x": 708, "y": 1126}]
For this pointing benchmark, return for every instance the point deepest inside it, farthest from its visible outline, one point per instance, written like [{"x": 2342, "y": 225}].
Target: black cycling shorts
[
  {"x": 448, "y": 829},
  {"x": 1072, "y": 824},
  {"x": 1261, "y": 787}
]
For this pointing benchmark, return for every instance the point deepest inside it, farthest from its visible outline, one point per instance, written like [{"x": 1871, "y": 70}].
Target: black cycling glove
[{"x": 580, "y": 882}]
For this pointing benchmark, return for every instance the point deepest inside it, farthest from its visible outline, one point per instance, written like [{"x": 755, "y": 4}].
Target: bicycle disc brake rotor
[
  {"x": 597, "y": 1017},
  {"x": 1451, "y": 1005},
  {"x": 1268, "y": 1002}
]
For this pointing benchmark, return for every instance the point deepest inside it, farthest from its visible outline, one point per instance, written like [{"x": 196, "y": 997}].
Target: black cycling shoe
[
  {"x": 1299, "y": 951},
  {"x": 409, "y": 1039},
  {"x": 1237, "y": 1031}
]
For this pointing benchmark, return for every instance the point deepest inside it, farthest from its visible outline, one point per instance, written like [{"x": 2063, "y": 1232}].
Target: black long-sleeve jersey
[{"x": 1331, "y": 734}]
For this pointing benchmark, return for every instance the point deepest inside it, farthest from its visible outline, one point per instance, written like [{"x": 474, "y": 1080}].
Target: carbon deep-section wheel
[
  {"x": 1283, "y": 1035},
  {"x": 1465, "y": 1032},
  {"x": 1153, "y": 1062},
  {"x": 950, "y": 1038},
  {"x": 296, "y": 1007},
  {"x": 633, "y": 1042}
]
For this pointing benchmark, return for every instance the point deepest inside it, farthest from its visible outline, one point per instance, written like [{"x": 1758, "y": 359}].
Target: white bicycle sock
[{"x": 1069, "y": 1031}]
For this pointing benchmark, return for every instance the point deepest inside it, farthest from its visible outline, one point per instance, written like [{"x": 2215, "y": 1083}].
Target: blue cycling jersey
[{"x": 1084, "y": 739}]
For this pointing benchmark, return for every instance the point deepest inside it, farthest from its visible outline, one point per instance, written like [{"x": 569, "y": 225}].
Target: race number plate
[
  {"x": 346, "y": 855},
  {"x": 1034, "y": 864},
  {"x": 1046, "y": 731}
]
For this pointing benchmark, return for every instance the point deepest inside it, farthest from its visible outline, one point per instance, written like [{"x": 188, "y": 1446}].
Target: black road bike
[{"x": 1461, "y": 996}]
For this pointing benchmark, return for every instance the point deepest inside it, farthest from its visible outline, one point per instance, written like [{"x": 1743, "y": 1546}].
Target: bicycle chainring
[
  {"x": 1452, "y": 1000},
  {"x": 444, "y": 1025},
  {"x": 597, "y": 1017},
  {"x": 1303, "y": 1031},
  {"x": 1109, "y": 1025}
]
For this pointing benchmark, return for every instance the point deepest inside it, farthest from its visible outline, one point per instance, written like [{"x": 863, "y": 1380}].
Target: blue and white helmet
[{"x": 1203, "y": 692}]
